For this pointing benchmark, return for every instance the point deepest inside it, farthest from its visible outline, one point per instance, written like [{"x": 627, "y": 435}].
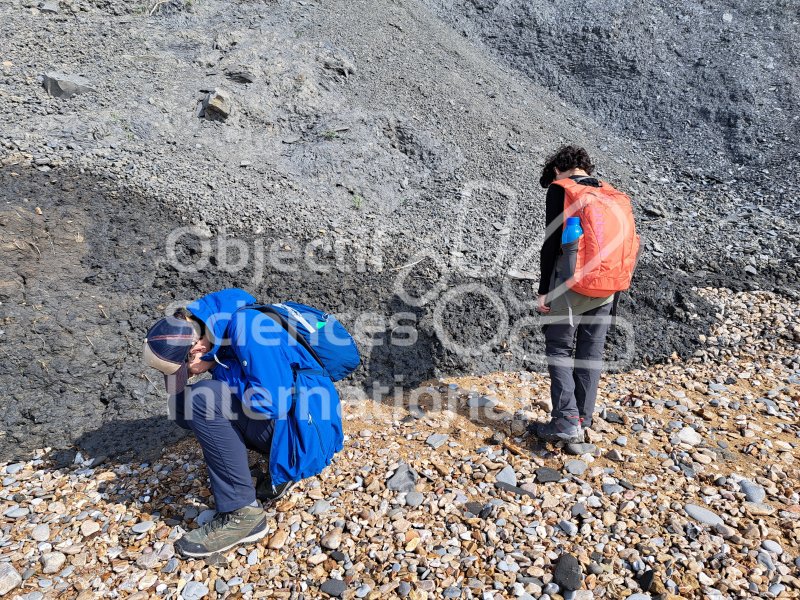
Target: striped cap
[{"x": 166, "y": 349}]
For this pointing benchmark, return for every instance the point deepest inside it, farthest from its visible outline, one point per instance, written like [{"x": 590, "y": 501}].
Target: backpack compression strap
[{"x": 281, "y": 320}]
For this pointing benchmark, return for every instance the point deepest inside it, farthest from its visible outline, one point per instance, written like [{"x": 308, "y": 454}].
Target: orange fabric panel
[{"x": 608, "y": 248}]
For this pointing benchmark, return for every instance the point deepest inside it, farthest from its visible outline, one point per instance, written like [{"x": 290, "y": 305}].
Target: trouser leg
[
  {"x": 208, "y": 410},
  {"x": 559, "y": 341},
  {"x": 589, "y": 347}
]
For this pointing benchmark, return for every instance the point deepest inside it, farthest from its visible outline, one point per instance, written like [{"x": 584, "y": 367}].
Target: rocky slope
[
  {"x": 687, "y": 488},
  {"x": 387, "y": 157}
]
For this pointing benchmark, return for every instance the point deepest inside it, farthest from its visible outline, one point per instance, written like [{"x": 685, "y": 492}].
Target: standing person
[
  {"x": 578, "y": 286},
  {"x": 268, "y": 393}
]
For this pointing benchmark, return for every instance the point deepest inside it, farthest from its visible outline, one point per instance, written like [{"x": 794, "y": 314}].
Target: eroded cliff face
[{"x": 366, "y": 157}]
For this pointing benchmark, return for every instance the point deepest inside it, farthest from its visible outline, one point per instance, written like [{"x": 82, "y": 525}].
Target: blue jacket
[{"x": 274, "y": 378}]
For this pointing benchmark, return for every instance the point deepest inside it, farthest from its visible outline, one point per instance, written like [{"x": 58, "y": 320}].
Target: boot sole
[{"x": 254, "y": 537}]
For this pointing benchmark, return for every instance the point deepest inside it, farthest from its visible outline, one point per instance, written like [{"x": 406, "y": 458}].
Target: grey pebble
[
  {"x": 414, "y": 499},
  {"x": 404, "y": 479},
  {"x": 436, "y": 439},
  {"x": 334, "y": 587},
  {"x": 41, "y": 533},
  {"x": 776, "y": 589},
  {"x": 194, "y": 590},
  {"x": 568, "y": 527},
  {"x": 319, "y": 507},
  {"x": 771, "y": 546},
  {"x": 142, "y": 527},
  {"x": 507, "y": 475},
  {"x": 752, "y": 491},
  {"x": 703, "y": 515},
  {"x": 576, "y": 467},
  {"x": 171, "y": 566}
]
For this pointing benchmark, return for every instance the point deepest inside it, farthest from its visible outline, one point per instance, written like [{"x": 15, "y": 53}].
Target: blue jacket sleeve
[{"x": 258, "y": 343}]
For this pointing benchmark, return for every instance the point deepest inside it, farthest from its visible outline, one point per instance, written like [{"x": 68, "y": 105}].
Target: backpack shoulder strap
[{"x": 290, "y": 329}]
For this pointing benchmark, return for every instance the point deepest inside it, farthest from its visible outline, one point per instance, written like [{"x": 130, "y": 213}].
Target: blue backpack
[{"x": 320, "y": 333}]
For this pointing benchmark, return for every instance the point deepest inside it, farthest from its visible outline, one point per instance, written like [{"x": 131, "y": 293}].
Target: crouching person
[{"x": 271, "y": 390}]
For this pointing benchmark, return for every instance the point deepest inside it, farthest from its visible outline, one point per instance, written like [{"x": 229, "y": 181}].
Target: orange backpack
[{"x": 609, "y": 246}]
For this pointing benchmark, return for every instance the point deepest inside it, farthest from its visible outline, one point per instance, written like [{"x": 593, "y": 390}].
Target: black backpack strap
[
  {"x": 291, "y": 330},
  {"x": 614, "y": 306}
]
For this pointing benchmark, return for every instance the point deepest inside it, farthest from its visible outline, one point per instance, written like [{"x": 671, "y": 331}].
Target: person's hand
[{"x": 543, "y": 308}]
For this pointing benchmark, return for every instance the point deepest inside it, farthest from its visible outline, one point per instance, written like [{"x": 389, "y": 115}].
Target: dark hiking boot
[
  {"x": 559, "y": 430},
  {"x": 223, "y": 532},
  {"x": 266, "y": 492}
]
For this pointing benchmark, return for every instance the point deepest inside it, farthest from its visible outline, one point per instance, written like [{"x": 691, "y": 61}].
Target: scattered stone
[
  {"x": 16, "y": 512},
  {"x": 507, "y": 475},
  {"x": 547, "y": 475},
  {"x": 436, "y": 439},
  {"x": 194, "y": 590},
  {"x": 62, "y": 85},
  {"x": 49, "y": 6},
  {"x": 568, "y": 527},
  {"x": 576, "y": 467},
  {"x": 771, "y": 546},
  {"x": 41, "y": 533},
  {"x": 414, "y": 499},
  {"x": 142, "y": 527},
  {"x": 580, "y": 449},
  {"x": 9, "y": 578},
  {"x": 404, "y": 479},
  {"x": 645, "y": 580},
  {"x": 568, "y": 573},
  {"x": 89, "y": 528},
  {"x": 759, "y": 509},
  {"x": 752, "y": 491},
  {"x": 689, "y": 436},
  {"x": 481, "y": 402},
  {"x": 703, "y": 515},
  {"x": 217, "y": 105},
  {"x": 52, "y": 562},
  {"x": 332, "y": 540},
  {"x": 320, "y": 507},
  {"x": 334, "y": 588}
]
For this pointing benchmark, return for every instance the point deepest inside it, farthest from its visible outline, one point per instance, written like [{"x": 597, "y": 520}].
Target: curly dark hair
[
  {"x": 184, "y": 314},
  {"x": 564, "y": 159}
]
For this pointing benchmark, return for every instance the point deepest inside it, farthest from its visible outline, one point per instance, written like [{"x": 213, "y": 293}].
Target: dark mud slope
[
  {"x": 714, "y": 83},
  {"x": 81, "y": 281}
]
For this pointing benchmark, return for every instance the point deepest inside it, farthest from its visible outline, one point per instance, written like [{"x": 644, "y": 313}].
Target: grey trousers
[{"x": 573, "y": 381}]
